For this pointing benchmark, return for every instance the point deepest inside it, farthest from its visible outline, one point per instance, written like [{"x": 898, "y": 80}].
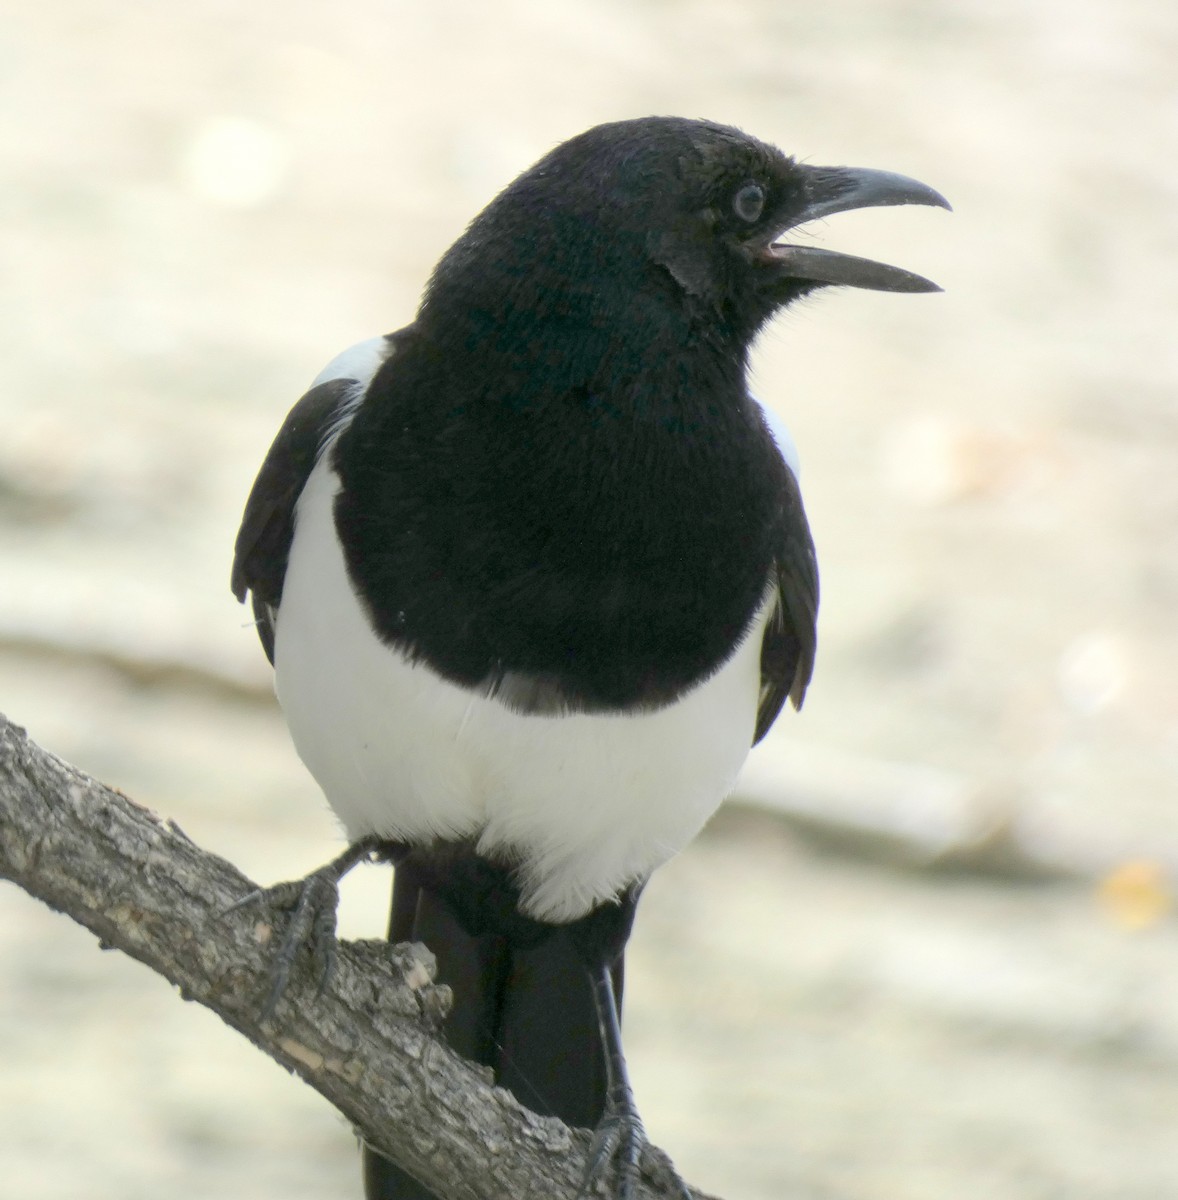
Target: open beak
[{"x": 837, "y": 189}]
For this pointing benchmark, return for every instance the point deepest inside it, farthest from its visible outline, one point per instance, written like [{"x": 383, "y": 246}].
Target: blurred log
[{"x": 919, "y": 816}]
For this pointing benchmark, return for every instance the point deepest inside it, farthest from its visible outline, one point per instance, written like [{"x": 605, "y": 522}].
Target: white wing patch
[
  {"x": 782, "y": 436},
  {"x": 359, "y": 362}
]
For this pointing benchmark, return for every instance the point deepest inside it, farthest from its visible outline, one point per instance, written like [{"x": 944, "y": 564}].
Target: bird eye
[{"x": 749, "y": 202}]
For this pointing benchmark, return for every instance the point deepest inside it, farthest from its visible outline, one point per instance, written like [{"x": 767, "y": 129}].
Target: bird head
[
  {"x": 739, "y": 199},
  {"x": 692, "y": 213}
]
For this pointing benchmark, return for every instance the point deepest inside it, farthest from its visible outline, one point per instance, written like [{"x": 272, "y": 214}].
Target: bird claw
[
  {"x": 620, "y": 1155},
  {"x": 312, "y": 903}
]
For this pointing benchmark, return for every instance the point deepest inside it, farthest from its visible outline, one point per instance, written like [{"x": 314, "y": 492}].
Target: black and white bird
[{"x": 534, "y": 575}]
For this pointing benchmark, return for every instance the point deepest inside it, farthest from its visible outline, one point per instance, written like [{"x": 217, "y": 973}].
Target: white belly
[{"x": 587, "y": 803}]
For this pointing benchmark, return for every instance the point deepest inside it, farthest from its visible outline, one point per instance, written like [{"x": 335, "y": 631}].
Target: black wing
[
  {"x": 267, "y": 526},
  {"x": 790, "y": 640}
]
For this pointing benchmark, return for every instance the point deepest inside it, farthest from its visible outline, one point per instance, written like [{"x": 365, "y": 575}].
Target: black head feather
[{"x": 642, "y": 207}]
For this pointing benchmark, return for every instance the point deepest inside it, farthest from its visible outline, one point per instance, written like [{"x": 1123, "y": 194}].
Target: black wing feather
[
  {"x": 267, "y": 526},
  {"x": 790, "y": 639}
]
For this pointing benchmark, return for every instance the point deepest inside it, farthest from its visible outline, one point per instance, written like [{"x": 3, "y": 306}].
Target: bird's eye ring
[{"x": 749, "y": 202}]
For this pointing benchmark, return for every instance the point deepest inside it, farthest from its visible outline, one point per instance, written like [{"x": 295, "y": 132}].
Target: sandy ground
[{"x": 199, "y": 205}]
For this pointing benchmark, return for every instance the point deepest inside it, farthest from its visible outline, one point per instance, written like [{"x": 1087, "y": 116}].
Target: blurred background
[{"x": 929, "y": 951}]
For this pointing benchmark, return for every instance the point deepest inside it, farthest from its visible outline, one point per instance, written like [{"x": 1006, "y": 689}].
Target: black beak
[{"x": 836, "y": 189}]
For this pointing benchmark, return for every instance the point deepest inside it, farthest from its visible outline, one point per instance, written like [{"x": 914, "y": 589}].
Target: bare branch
[{"x": 367, "y": 1044}]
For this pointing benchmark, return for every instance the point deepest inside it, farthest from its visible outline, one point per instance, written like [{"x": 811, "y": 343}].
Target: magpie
[{"x": 534, "y": 574}]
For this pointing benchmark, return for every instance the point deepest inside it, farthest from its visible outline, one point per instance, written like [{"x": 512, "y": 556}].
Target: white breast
[{"x": 588, "y": 803}]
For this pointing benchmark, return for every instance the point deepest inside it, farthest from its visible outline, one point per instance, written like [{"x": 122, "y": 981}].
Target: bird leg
[
  {"x": 619, "y": 1141},
  {"x": 312, "y": 903}
]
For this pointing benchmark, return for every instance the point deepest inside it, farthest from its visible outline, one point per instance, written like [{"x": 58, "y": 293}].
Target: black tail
[{"x": 525, "y": 1011}]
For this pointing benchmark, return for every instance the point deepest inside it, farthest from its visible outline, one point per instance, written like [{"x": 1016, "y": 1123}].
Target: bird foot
[
  {"x": 312, "y": 903},
  {"x": 621, "y": 1153}
]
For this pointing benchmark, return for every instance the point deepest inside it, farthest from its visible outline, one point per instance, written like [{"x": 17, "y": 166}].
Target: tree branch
[{"x": 367, "y": 1044}]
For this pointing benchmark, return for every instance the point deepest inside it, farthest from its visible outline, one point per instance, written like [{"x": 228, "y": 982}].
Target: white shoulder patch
[
  {"x": 359, "y": 362},
  {"x": 782, "y": 436}
]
